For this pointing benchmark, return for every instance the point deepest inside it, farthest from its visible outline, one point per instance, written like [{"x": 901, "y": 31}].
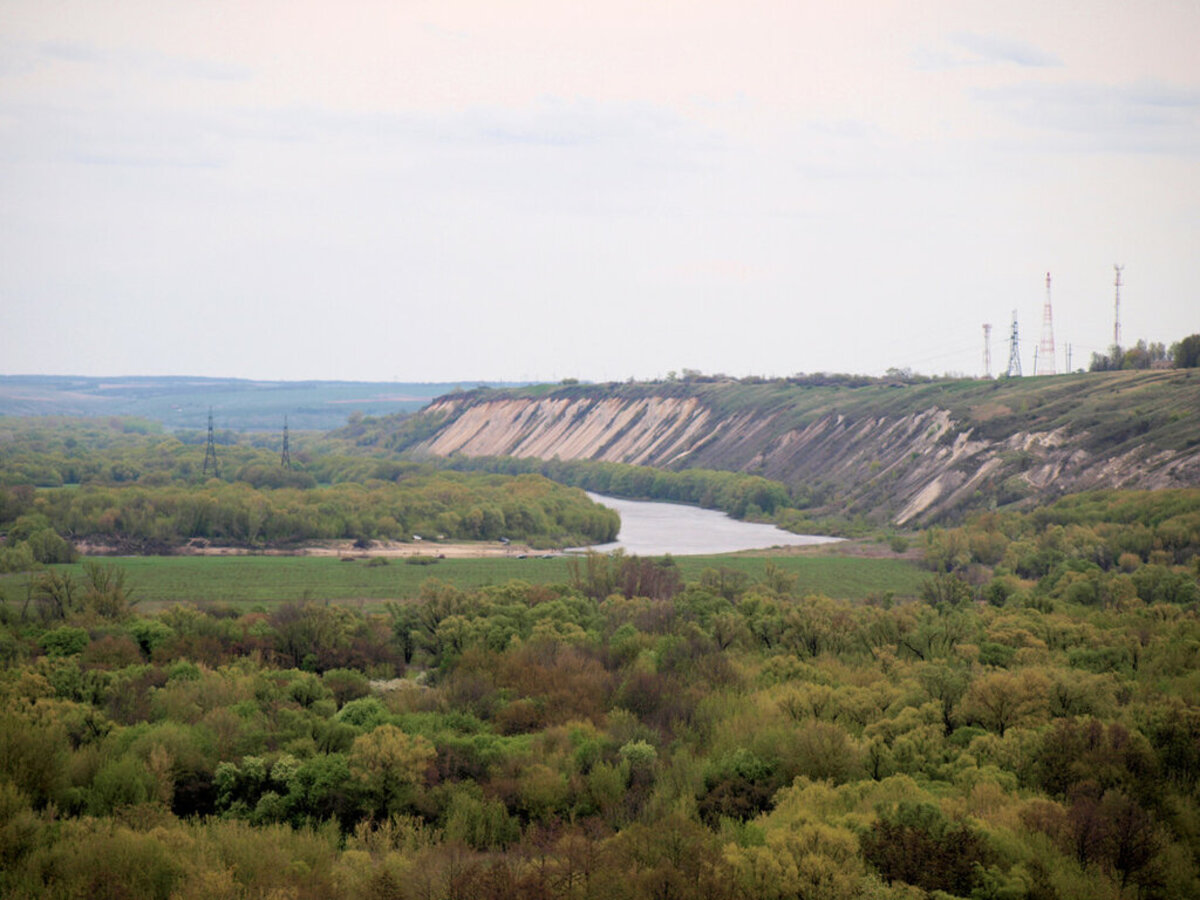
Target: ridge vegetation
[{"x": 884, "y": 449}]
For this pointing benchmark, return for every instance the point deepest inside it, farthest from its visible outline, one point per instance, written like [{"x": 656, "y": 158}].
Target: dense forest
[
  {"x": 741, "y": 496},
  {"x": 122, "y": 485},
  {"x": 1028, "y": 729}
]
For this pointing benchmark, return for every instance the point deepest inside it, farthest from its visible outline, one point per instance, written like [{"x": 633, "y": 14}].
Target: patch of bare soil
[{"x": 342, "y": 549}]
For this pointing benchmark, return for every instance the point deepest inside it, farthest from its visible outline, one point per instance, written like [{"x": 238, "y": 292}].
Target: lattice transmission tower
[
  {"x": 1014, "y": 351},
  {"x": 1045, "y": 364},
  {"x": 1117, "y": 308},
  {"x": 987, "y": 350},
  {"x": 285, "y": 458},
  {"x": 210, "y": 451}
]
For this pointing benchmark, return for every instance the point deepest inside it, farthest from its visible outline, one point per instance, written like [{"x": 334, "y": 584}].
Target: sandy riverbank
[{"x": 390, "y": 549}]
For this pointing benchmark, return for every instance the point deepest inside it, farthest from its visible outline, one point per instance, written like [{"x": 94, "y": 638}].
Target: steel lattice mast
[
  {"x": 1014, "y": 351},
  {"x": 210, "y": 451},
  {"x": 1117, "y": 308},
  {"x": 285, "y": 458},
  {"x": 1045, "y": 358}
]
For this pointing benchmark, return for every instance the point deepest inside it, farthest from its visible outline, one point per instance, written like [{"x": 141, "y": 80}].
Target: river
[{"x": 652, "y": 529}]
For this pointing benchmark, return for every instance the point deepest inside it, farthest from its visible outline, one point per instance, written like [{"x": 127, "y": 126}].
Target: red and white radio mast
[{"x": 1045, "y": 356}]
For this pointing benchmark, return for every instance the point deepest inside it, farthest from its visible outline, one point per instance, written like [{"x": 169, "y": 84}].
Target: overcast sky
[{"x": 464, "y": 190}]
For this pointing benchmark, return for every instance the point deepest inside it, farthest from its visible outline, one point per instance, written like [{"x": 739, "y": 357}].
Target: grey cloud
[
  {"x": 159, "y": 65},
  {"x": 17, "y": 58},
  {"x": 997, "y": 48},
  {"x": 974, "y": 49},
  {"x": 105, "y": 136},
  {"x": 70, "y": 52},
  {"x": 555, "y": 154},
  {"x": 548, "y": 126},
  {"x": 558, "y": 124},
  {"x": 1144, "y": 117}
]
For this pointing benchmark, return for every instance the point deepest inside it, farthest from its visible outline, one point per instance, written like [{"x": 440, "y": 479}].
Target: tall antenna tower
[
  {"x": 987, "y": 350},
  {"x": 285, "y": 458},
  {"x": 1117, "y": 307},
  {"x": 1014, "y": 351},
  {"x": 1045, "y": 359},
  {"x": 210, "y": 451}
]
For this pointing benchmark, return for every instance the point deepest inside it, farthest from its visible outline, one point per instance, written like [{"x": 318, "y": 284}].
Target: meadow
[{"x": 247, "y": 581}]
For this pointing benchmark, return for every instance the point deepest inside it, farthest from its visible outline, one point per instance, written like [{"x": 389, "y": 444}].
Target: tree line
[
  {"x": 1096, "y": 549},
  {"x": 738, "y": 494},
  {"x": 121, "y": 483},
  {"x": 1184, "y": 354},
  {"x": 41, "y": 523}
]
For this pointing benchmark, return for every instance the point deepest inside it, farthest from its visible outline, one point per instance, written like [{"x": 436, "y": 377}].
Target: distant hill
[
  {"x": 237, "y": 404},
  {"x": 898, "y": 451}
]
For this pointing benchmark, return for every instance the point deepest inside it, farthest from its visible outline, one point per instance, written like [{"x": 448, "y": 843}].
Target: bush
[
  {"x": 50, "y": 549},
  {"x": 64, "y": 641}
]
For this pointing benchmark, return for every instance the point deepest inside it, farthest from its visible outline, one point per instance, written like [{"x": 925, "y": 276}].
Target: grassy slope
[
  {"x": 1095, "y": 418},
  {"x": 1114, "y": 407}
]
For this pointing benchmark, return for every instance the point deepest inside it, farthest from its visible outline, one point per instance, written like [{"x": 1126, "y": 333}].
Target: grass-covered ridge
[
  {"x": 1115, "y": 406},
  {"x": 883, "y": 449}
]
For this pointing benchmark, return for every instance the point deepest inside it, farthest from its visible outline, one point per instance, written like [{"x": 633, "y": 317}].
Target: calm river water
[{"x": 652, "y": 529}]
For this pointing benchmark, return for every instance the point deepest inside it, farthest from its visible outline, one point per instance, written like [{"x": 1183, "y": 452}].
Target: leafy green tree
[
  {"x": 1186, "y": 353},
  {"x": 49, "y": 549},
  {"x": 120, "y": 783},
  {"x": 346, "y": 684},
  {"x": 809, "y": 861},
  {"x": 1000, "y": 700},
  {"x": 390, "y": 765},
  {"x": 105, "y": 591},
  {"x": 56, "y": 595},
  {"x": 916, "y": 844},
  {"x": 320, "y": 788},
  {"x": 946, "y": 684},
  {"x": 65, "y": 641}
]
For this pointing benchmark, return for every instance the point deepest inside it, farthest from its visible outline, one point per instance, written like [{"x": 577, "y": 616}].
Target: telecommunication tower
[
  {"x": 1117, "y": 307},
  {"x": 210, "y": 451},
  {"x": 1045, "y": 358},
  {"x": 1014, "y": 351},
  {"x": 285, "y": 458},
  {"x": 987, "y": 350}
]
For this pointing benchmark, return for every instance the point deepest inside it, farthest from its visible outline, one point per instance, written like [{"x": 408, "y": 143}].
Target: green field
[{"x": 250, "y": 580}]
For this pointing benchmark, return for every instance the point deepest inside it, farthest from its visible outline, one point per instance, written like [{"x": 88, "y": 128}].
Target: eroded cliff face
[
  {"x": 908, "y": 468},
  {"x": 653, "y": 431}
]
